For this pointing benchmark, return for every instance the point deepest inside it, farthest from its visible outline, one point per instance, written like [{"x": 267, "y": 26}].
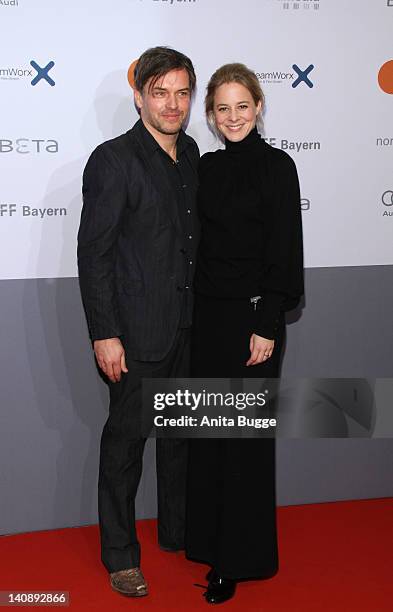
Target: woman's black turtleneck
[{"x": 251, "y": 241}]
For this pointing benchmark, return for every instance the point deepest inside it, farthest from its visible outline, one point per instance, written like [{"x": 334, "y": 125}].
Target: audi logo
[{"x": 387, "y": 198}]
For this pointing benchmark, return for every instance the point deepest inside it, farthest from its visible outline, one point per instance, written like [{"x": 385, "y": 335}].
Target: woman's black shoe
[{"x": 219, "y": 589}]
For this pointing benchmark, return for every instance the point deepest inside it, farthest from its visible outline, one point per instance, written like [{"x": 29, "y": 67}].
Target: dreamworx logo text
[
  {"x": 297, "y": 77},
  {"x": 42, "y": 73}
]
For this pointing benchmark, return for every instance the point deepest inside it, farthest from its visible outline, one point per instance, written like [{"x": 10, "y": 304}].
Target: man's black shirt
[{"x": 183, "y": 180}]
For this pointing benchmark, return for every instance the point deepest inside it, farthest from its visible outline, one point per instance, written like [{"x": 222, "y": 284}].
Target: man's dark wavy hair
[{"x": 156, "y": 62}]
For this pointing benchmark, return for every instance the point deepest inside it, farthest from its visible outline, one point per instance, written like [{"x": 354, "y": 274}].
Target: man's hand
[
  {"x": 111, "y": 357},
  {"x": 261, "y": 349}
]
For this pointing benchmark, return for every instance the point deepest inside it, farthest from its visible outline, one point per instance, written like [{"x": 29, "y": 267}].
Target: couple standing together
[{"x": 167, "y": 240}]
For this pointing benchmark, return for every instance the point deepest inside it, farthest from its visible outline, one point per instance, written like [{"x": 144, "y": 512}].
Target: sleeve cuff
[{"x": 268, "y": 315}]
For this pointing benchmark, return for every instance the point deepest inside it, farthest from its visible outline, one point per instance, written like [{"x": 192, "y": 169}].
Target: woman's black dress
[{"x": 251, "y": 244}]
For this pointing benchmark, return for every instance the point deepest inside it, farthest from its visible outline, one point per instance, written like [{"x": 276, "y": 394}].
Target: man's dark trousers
[{"x": 121, "y": 463}]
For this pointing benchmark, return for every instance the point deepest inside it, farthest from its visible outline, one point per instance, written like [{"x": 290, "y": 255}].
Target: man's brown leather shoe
[{"x": 129, "y": 582}]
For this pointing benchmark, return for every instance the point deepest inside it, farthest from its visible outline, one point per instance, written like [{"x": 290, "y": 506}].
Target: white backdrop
[{"x": 343, "y": 124}]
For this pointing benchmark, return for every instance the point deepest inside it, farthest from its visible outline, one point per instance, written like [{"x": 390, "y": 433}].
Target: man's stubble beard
[{"x": 167, "y": 131}]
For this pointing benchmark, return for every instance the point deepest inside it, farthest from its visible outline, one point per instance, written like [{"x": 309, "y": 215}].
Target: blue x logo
[
  {"x": 42, "y": 73},
  {"x": 302, "y": 76}
]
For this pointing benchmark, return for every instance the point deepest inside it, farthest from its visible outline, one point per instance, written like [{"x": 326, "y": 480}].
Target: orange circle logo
[
  {"x": 130, "y": 74},
  {"x": 385, "y": 77}
]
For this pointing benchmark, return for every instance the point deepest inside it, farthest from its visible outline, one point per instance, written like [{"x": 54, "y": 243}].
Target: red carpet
[{"x": 333, "y": 557}]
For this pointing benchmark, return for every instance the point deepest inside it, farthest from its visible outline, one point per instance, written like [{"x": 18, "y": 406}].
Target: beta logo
[{"x": 24, "y": 146}]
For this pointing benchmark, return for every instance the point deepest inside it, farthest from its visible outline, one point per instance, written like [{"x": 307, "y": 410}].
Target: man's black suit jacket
[{"x": 131, "y": 252}]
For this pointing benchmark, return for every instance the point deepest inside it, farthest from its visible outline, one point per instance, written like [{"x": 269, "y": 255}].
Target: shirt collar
[{"x": 152, "y": 145}]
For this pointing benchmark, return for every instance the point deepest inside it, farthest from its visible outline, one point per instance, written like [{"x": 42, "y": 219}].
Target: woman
[{"x": 251, "y": 245}]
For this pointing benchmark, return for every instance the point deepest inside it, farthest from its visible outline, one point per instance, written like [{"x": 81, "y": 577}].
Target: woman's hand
[{"x": 261, "y": 349}]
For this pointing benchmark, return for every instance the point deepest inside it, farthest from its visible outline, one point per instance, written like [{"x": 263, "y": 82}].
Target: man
[{"x": 136, "y": 246}]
